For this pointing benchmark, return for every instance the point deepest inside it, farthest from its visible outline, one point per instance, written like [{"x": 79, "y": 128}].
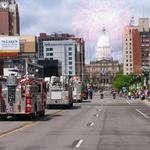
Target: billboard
[{"x": 9, "y": 45}]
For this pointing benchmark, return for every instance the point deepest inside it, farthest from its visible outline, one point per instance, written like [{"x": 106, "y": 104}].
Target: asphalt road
[{"x": 106, "y": 124}]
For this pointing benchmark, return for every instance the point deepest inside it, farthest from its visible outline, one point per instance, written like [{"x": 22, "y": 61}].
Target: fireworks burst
[{"x": 92, "y": 15}]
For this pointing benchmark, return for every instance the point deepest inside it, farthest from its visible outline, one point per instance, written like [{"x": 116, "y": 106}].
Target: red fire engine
[{"x": 22, "y": 96}]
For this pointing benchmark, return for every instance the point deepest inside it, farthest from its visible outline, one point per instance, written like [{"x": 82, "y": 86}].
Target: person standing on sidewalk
[
  {"x": 129, "y": 95},
  {"x": 90, "y": 92}
]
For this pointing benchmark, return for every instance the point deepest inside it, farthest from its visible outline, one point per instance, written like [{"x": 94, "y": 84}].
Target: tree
[{"x": 121, "y": 80}]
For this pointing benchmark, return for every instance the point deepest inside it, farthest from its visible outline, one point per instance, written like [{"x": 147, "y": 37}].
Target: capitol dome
[
  {"x": 103, "y": 41},
  {"x": 103, "y": 50}
]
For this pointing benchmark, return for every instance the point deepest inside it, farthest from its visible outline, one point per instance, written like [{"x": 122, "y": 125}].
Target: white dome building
[{"x": 103, "y": 50}]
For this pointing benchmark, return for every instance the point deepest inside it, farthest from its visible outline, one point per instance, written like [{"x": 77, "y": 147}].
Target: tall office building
[
  {"x": 9, "y": 18},
  {"x": 145, "y": 40},
  {"x": 136, "y": 47},
  {"x": 65, "y": 48},
  {"x": 131, "y": 50}
]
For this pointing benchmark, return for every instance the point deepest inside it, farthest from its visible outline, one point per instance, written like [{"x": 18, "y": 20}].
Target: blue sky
[{"x": 83, "y": 18}]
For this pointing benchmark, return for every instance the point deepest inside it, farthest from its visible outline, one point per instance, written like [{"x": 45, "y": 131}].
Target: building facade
[
  {"x": 9, "y": 18},
  {"x": 145, "y": 40},
  {"x": 102, "y": 72},
  {"x": 136, "y": 47},
  {"x": 63, "y": 47},
  {"x": 131, "y": 50},
  {"x": 15, "y": 49},
  {"x": 64, "y": 51}
]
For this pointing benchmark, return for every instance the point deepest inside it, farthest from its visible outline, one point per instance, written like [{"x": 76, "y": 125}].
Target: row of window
[
  {"x": 129, "y": 43},
  {"x": 128, "y": 64},
  {"x": 127, "y": 48},
  {"x": 128, "y": 56},
  {"x": 128, "y": 69},
  {"x": 51, "y": 54},
  {"x": 51, "y": 49},
  {"x": 128, "y": 60},
  {"x": 129, "y": 39},
  {"x": 127, "y": 52}
]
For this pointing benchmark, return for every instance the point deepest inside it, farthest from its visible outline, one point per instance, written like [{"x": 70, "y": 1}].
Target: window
[
  {"x": 70, "y": 53},
  {"x": 70, "y": 58},
  {"x": 70, "y": 48},
  {"x": 70, "y": 67},
  {"x": 70, "y": 72},
  {"x": 51, "y": 54},
  {"x": 70, "y": 63},
  {"x": 47, "y": 54},
  {"x": 49, "y": 49}
]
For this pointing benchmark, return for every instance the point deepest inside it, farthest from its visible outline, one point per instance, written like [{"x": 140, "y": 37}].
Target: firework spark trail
[{"x": 91, "y": 16}]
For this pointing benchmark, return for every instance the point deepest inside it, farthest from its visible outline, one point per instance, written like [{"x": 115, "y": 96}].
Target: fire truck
[
  {"x": 22, "y": 96},
  {"x": 76, "y": 89},
  {"x": 59, "y": 92}
]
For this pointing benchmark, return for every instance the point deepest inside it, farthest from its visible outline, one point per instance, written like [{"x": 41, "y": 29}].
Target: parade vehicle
[
  {"x": 76, "y": 89},
  {"x": 59, "y": 92},
  {"x": 24, "y": 96}
]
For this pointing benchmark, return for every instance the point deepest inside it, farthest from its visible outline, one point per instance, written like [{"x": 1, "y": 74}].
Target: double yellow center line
[
  {"x": 17, "y": 129},
  {"x": 24, "y": 126}
]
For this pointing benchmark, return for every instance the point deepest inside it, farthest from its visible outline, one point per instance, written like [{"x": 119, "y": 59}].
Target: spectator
[{"x": 90, "y": 92}]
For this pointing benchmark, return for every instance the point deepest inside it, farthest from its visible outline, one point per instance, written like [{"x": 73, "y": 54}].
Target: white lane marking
[
  {"x": 97, "y": 115},
  {"x": 142, "y": 113},
  {"x": 79, "y": 143},
  {"x": 128, "y": 102},
  {"x": 91, "y": 124}
]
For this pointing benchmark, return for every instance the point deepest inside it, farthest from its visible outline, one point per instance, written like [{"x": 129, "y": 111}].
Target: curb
[{"x": 147, "y": 102}]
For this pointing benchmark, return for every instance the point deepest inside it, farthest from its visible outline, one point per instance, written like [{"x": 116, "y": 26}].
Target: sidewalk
[{"x": 147, "y": 102}]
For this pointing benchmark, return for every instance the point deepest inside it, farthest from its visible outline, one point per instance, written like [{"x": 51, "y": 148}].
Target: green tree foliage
[{"x": 121, "y": 80}]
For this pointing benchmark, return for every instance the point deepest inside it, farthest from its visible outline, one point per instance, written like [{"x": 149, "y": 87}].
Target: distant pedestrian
[
  {"x": 101, "y": 94},
  {"x": 129, "y": 95},
  {"x": 90, "y": 92}
]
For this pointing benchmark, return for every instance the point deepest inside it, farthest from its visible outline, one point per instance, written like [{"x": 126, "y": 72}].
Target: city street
[
  {"x": 105, "y": 124},
  {"x": 50, "y": 57}
]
